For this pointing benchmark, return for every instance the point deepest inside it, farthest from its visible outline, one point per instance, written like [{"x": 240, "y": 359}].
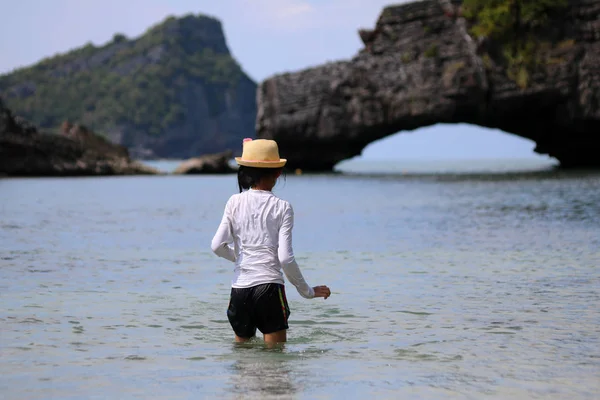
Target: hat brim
[{"x": 261, "y": 164}]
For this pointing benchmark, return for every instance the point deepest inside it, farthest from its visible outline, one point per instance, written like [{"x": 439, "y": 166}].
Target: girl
[{"x": 256, "y": 234}]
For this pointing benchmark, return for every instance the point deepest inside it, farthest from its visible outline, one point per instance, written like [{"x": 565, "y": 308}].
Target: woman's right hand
[{"x": 322, "y": 291}]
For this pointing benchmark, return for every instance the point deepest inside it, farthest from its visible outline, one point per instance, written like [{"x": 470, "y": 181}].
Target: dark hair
[{"x": 251, "y": 176}]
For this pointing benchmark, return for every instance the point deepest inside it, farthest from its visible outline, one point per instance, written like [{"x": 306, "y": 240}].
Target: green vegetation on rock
[
  {"x": 515, "y": 24},
  {"x": 432, "y": 51},
  {"x": 138, "y": 83}
]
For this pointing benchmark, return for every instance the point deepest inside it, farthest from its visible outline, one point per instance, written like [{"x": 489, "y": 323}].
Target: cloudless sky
[{"x": 265, "y": 36}]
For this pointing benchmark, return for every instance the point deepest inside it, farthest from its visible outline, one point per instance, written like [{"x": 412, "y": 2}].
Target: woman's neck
[
  {"x": 260, "y": 187},
  {"x": 264, "y": 185}
]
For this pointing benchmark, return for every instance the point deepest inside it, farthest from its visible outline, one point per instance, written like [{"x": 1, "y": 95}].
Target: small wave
[
  {"x": 31, "y": 321},
  {"x": 10, "y": 226},
  {"x": 192, "y": 326},
  {"x": 135, "y": 357},
  {"x": 415, "y": 312}
]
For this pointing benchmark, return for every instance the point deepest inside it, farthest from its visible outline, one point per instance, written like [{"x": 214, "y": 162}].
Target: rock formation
[
  {"x": 207, "y": 164},
  {"x": 420, "y": 66},
  {"x": 174, "y": 92},
  {"x": 75, "y": 152}
]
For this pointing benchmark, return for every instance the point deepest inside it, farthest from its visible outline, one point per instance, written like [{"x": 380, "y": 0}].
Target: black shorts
[{"x": 263, "y": 306}]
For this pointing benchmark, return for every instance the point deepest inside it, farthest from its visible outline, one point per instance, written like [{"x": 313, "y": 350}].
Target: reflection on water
[
  {"x": 261, "y": 371},
  {"x": 444, "y": 286},
  {"x": 445, "y": 168}
]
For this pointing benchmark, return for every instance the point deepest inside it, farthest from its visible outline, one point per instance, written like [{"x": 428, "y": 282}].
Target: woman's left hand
[{"x": 322, "y": 291}]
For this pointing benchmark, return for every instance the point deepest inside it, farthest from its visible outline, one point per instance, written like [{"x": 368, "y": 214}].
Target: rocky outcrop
[
  {"x": 420, "y": 67},
  {"x": 75, "y": 152},
  {"x": 174, "y": 92},
  {"x": 207, "y": 164}
]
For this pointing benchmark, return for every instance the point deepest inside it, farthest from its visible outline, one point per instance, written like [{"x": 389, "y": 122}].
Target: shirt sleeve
[
  {"x": 287, "y": 259},
  {"x": 222, "y": 241}
]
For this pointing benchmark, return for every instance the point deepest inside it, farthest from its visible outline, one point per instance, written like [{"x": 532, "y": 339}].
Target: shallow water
[{"x": 460, "y": 286}]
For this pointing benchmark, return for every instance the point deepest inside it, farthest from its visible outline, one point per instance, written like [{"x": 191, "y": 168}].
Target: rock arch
[{"x": 420, "y": 67}]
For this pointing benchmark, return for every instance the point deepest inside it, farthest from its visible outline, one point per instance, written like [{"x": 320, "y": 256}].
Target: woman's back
[{"x": 257, "y": 217}]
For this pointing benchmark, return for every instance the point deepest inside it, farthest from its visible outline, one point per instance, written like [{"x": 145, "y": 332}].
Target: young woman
[{"x": 256, "y": 234}]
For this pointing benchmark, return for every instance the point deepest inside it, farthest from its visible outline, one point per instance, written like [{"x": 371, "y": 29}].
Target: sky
[{"x": 266, "y": 37}]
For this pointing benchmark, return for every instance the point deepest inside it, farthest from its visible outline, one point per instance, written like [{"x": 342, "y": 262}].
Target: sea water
[{"x": 453, "y": 282}]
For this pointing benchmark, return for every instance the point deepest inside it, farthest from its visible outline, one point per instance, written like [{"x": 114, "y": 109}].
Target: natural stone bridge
[{"x": 421, "y": 67}]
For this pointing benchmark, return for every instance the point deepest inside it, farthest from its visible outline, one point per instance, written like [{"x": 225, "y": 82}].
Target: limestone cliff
[
  {"x": 421, "y": 66},
  {"x": 173, "y": 92},
  {"x": 75, "y": 152}
]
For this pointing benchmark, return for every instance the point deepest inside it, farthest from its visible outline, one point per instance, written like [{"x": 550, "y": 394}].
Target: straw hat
[{"x": 260, "y": 153}]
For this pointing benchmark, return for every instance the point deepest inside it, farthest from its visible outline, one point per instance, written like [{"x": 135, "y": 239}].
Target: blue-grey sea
[{"x": 450, "y": 280}]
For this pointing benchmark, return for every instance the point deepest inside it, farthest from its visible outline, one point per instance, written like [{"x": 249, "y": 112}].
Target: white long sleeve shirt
[{"x": 256, "y": 234}]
